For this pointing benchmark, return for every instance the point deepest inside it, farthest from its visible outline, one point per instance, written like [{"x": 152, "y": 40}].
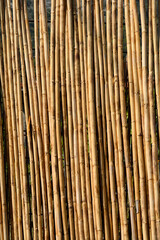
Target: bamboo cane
[
  {"x": 83, "y": 97},
  {"x": 100, "y": 140},
  {"x": 2, "y": 185},
  {"x": 54, "y": 159},
  {"x": 112, "y": 110},
  {"x": 146, "y": 121},
  {"x": 119, "y": 127},
  {"x": 1, "y": 221},
  {"x": 80, "y": 132},
  {"x": 58, "y": 123},
  {"x": 64, "y": 112},
  {"x": 70, "y": 128},
  {"x": 75, "y": 126},
  {"x": 152, "y": 124},
  {"x": 94, "y": 166},
  {"x": 37, "y": 59},
  {"x": 34, "y": 113},
  {"x": 11, "y": 156},
  {"x": 46, "y": 135}
]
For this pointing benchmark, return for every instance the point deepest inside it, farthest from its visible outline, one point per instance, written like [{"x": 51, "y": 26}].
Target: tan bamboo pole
[
  {"x": 146, "y": 121},
  {"x": 136, "y": 89},
  {"x": 11, "y": 153},
  {"x": 103, "y": 159},
  {"x": 75, "y": 125},
  {"x": 46, "y": 135},
  {"x": 153, "y": 124},
  {"x": 46, "y": 47},
  {"x": 100, "y": 140},
  {"x": 6, "y": 150},
  {"x": 94, "y": 166},
  {"x": 85, "y": 26},
  {"x": 80, "y": 131},
  {"x": 1, "y": 221},
  {"x": 100, "y": 39},
  {"x": 123, "y": 116},
  {"x": 83, "y": 97},
  {"x": 119, "y": 126},
  {"x": 131, "y": 93},
  {"x": 37, "y": 60},
  {"x": 17, "y": 32},
  {"x": 64, "y": 112},
  {"x": 112, "y": 110},
  {"x": 54, "y": 158},
  {"x": 138, "y": 54},
  {"x": 70, "y": 128},
  {"x": 104, "y": 47},
  {"x": 16, "y": 121},
  {"x": 34, "y": 112},
  {"x": 21, "y": 131},
  {"x": 156, "y": 60},
  {"x": 2, "y": 181},
  {"x": 23, "y": 173},
  {"x": 58, "y": 121},
  {"x": 25, "y": 208},
  {"x": 138, "y": 131}
]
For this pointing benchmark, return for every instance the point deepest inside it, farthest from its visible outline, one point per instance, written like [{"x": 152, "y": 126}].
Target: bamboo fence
[{"x": 80, "y": 119}]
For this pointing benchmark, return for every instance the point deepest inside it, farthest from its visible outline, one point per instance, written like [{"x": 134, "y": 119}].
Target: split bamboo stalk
[
  {"x": 58, "y": 120},
  {"x": 146, "y": 121},
  {"x": 54, "y": 158},
  {"x": 64, "y": 112},
  {"x": 83, "y": 98}
]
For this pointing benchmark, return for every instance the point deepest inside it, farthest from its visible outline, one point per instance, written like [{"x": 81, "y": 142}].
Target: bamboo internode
[{"x": 79, "y": 119}]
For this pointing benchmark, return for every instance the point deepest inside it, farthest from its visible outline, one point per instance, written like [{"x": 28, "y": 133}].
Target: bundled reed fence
[{"x": 80, "y": 120}]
